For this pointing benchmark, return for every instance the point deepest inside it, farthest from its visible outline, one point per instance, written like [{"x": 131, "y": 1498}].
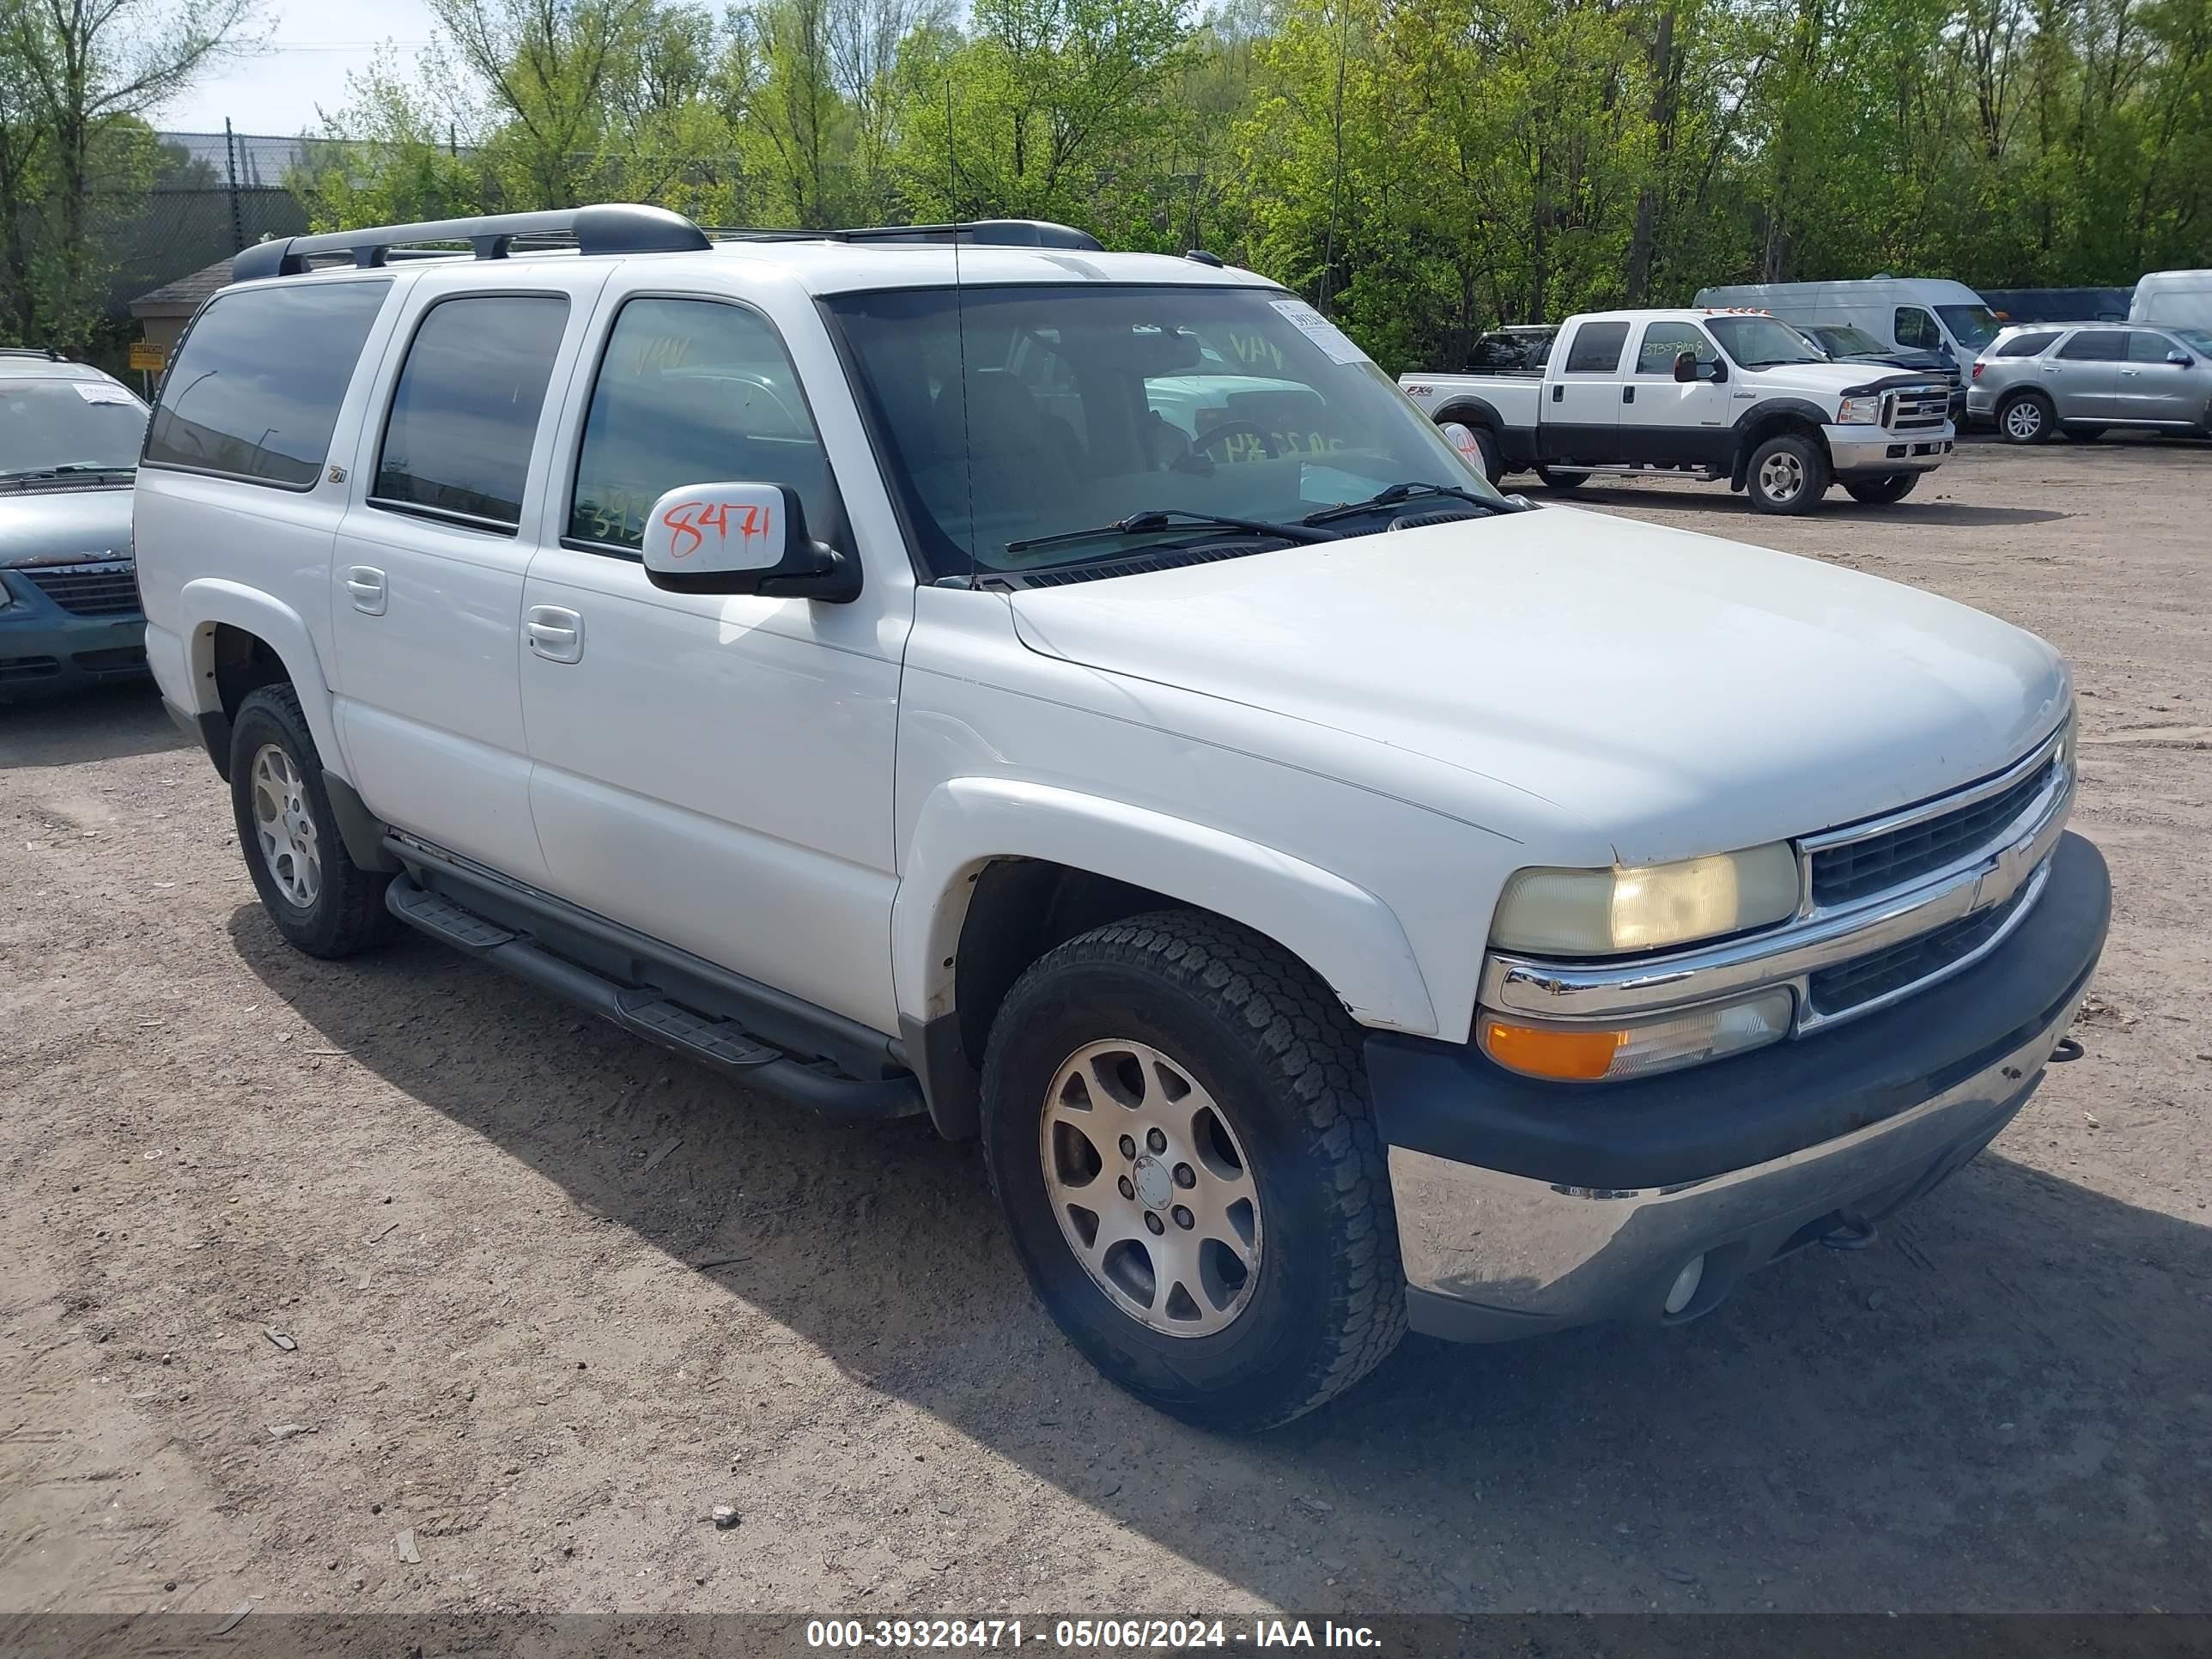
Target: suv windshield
[
  {"x": 1973, "y": 326},
  {"x": 1087, "y": 404},
  {"x": 1761, "y": 342},
  {"x": 84, "y": 426},
  {"x": 1844, "y": 341}
]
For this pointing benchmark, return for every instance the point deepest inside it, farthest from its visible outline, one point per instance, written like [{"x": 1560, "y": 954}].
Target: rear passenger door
[
  {"x": 2083, "y": 376},
  {"x": 1672, "y": 422},
  {"x": 426, "y": 580},
  {"x": 1581, "y": 418},
  {"x": 715, "y": 771}
]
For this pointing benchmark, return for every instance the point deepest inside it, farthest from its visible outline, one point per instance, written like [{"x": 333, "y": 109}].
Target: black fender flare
[{"x": 1769, "y": 413}]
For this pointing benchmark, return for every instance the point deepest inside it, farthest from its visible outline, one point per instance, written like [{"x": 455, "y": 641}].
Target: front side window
[
  {"x": 464, "y": 413},
  {"x": 1596, "y": 348},
  {"x": 2028, "y": 345},
  {"x": 692, "y": 391},
  {"x": 1086, "y": 405},
  {"x": 53, "y": 427},
  {"x": 2096, "y": 345},
  {"x": 255, "y": 390},
  {"x": 1916, "y": 330},
  {"x": 1664, "y": 342},
  {"x": 2147, "y": 348},
  {"x": 1972, "y": 327}
]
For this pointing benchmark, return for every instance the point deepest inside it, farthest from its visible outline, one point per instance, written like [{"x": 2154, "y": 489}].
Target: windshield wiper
[
  {"x": 1169, "y": 517},
  {"x": 1398, "y": 493},
  {"x": 69, "y": 469}
]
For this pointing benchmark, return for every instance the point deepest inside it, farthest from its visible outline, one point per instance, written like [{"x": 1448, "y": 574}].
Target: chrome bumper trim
[
  {"x": 1525, "y": 1256},
  {"x": 1818, "y": 937}
]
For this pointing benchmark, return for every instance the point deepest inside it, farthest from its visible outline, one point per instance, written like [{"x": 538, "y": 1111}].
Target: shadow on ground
[
  {"x": 1714, "y": 498},
  {"x": 2001, "y": 1406},
  {"x": 105, "y": 723}
]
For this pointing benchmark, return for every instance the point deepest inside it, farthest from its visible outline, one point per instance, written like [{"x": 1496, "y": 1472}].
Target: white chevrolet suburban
[
  {"x": 1074, "y": 696},
  {"x": 1734, "y": 395}
]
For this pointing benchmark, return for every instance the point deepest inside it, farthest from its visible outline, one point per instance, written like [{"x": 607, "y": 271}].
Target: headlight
[
  {"x": 1587, "y": 912},
  {"x": 1859, "y": 411},
  {"x": 1593, "y": 1053},
  {"x": 2070, "y": 740}
]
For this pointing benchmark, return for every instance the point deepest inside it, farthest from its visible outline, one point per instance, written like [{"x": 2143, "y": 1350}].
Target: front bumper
[
  {"x": 1526, "y": 1206},
  {"x": 45, "y": 649},
  {"x": 1874, "y": 449}
]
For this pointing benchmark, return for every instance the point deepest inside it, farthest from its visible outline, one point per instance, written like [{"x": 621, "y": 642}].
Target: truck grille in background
[
  {"x": 1916, "y": 410},
  {"x": 1857, "y": 868},
  {"x": 1835, "y": 990},
  {"x": 90, "y": 590}
]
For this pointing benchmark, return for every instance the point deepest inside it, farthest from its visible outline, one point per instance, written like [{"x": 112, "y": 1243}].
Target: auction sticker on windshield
[{"x": 1321, "y": 332}]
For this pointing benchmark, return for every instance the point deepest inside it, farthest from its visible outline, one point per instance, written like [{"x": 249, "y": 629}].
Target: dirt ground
[{"x": 549, "y": 1295}]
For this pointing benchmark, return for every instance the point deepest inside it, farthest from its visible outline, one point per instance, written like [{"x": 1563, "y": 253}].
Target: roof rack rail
[
  {"x": 977, "y": 232},
  {"x": 610, "y": 228},
  {"x": 43, "y": 354}
]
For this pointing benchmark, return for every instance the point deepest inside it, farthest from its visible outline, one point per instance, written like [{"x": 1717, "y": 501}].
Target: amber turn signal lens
[{"x": 1582, "y": 1057}]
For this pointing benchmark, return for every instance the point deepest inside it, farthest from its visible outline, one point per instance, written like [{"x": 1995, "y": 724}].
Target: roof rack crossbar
[{"x": 611, "y": 228}]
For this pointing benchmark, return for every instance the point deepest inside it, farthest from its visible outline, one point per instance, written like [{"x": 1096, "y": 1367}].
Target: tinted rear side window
[
  {"x": 1596, "y": 349},
  {"x": 464, "y": 414},
  {"x": 255, "y": 391},
  {"x": 2096, "y": 345},
  {"x": 2028, "y": 345}
]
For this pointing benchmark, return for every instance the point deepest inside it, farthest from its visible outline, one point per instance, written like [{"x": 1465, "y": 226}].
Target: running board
[{"x": 722, "y": 1045}]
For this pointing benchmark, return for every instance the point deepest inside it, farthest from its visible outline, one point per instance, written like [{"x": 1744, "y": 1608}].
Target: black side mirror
[
  {"x": 1719, "y": 370},
  {"x": 1686, "y": 366},
  {"x": 743, "y": 538}
]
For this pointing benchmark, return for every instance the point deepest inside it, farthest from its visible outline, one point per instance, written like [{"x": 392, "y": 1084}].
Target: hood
[
  {"x": 1829, "y": 379},
  {"x": 75, "y": 526},
  {"x": 1934, "y": 362},
  {"x": 1676, "y": 694}
]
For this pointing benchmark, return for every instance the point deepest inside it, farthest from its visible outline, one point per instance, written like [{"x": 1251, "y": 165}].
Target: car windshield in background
[
  {"x": 1848, "y": 341},
  {"x": 1088, "y": 404},
  {"x": 2195, "y": 339},
  {"x": 79, "y": 426},
  {"x": 1761, "y": 342},
  {"x": 1973, "y": 326}
]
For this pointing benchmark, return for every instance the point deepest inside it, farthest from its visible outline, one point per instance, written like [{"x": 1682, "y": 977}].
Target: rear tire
[
  {"x": 320, "y": 900},
  {"x": 1788, "y": 474},
  {"x": 2026, "y": 418},
  {"x": 1553, "y": 478},
  {"x": 1880, "y": 492},
  {"x": 1135, "y": 1022}
]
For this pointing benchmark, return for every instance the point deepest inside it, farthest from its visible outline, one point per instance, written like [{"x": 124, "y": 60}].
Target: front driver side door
[
  {"x": 714, "y": 771},
  {"x": 1667, "y": 421}
]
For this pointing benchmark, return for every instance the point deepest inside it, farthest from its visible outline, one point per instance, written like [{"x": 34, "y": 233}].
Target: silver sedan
[{"x": 2081, "y": 378}]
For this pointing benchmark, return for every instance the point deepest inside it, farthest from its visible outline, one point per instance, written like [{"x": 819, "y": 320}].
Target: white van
[
  {"x": 2179, "y": 299},
  {"x": 1912, "y": 313}
]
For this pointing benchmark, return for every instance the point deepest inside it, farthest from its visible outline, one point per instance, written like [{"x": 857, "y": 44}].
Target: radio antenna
[{"x": 960, "y": 325}]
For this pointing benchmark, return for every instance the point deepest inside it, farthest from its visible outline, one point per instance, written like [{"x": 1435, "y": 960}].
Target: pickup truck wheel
[
  {"x": 1788, "y": 474},
  {"x": 1881, "y": 491},
  {"x": 318, "y": 897},
  {"x": 1175, "y": 1123},
  {"x": 1563, "y": 481},
  {"x": 2024, "y": 418}
]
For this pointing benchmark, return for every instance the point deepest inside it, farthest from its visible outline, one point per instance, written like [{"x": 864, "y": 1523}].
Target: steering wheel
[{"x": 1206, "y": 439}]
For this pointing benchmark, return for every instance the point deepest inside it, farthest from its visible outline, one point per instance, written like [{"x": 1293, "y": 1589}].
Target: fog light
[{"x": 1685, "y": 1284}]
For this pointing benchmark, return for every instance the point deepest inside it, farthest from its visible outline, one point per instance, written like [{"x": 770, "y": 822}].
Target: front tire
[
  {"x": 2025, "y": 418},
  {"x": 1788, "y": 474},
  {"x": 1176, "y": 1126},
  {"x": 1881, "y": 491},
  {"x": 320, "y": 900}
]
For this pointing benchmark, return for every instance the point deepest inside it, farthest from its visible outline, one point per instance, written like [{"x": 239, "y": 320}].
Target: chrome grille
[
  {"x": 1837, "y": 990},
  {"x": 90, "y": 590},
  {"x": 1917, "y": 409},
  {"x": 1858, "y": 868}
]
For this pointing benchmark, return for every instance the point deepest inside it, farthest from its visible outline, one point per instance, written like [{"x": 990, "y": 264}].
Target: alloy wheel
[{"x": 284, "y": 827}]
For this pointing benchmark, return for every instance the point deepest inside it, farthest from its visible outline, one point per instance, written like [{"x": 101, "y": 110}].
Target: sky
[{"x": 312, "y": 47}]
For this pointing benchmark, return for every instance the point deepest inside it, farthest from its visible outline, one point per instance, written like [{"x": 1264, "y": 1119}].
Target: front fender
[
  {"x": 1342, "y": 932},
  {"x": 208, "y": 601}
]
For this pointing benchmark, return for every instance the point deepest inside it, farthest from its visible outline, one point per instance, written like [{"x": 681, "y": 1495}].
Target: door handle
[
  {"x": 556, "y": 633},
  {"x": 1628, "y": 394},
  {"x": 1559, "y": 391},
  {"x": 366, "y": 583}
]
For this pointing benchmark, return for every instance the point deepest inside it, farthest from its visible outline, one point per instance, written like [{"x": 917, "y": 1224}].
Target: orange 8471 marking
[{"x": 694, "y": 519}]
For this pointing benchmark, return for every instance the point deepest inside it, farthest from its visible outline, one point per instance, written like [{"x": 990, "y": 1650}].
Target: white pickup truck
[
  {"x": 1073, "y": 696},
  {"x": 1725, "y": 394}
]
